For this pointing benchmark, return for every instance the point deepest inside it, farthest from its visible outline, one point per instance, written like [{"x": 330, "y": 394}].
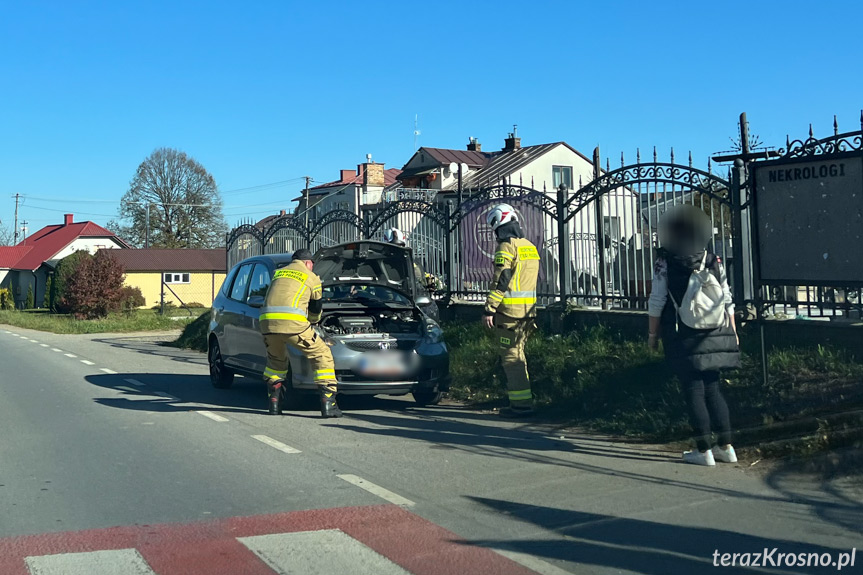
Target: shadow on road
[
  {"x": 646, "y": 547},
  {"x": 156, "y": 348}
]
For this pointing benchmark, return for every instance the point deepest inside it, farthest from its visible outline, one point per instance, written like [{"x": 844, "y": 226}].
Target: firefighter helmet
[
  {"x": 395, "y": 236},
  {"x": 501, "y": 214}
]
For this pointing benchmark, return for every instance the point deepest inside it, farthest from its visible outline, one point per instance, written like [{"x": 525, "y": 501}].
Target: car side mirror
[
  {"x": 256, "y": 301},
  {"x": 423, "y": 301}
]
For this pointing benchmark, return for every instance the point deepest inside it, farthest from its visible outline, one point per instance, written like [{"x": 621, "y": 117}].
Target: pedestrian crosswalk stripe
[
  {"x": 301, "y": 552},
  {"x": 213, "y": 416},
  {"x": 126, "y": 561}
]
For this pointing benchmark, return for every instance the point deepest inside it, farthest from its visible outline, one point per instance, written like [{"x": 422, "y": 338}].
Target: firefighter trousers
[
  {"x": 311, "y": 346},
  {"x": 511, "y": 335}
]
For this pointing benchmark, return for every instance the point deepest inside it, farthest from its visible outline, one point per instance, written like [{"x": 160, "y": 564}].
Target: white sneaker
[
  {"x": 726, "y": 455},
  {"x": 698, "y": 458}
]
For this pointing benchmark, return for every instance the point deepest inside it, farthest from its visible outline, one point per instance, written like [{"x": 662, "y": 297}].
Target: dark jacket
[{"x": 688, "y": 349}]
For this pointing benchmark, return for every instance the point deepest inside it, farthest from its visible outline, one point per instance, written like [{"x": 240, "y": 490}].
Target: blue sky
[{"x": 269, "y": 91}]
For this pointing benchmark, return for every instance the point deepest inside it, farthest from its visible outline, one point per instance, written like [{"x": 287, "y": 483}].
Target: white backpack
[{"x": 703, "y": 303}]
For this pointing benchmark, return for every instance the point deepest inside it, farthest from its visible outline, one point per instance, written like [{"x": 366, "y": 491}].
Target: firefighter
[
  {"x": 292, "y": 305},
  {"x": 510, "y": 307}
]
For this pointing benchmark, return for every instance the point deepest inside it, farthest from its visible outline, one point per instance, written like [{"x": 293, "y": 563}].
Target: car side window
[
  {"x": 226, "y": 285},
  {"x": 260, "y": 281},
  {"x": 238, "y": 290}
]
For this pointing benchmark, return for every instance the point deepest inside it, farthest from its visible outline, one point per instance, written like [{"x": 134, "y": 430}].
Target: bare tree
[
  {"x": 181, "y": 199},
  {"x": 6, "y": 235}
]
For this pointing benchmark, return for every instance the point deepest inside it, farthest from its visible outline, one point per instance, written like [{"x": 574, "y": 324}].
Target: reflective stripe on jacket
[
  {"x": 286, "y": 308},
  {"x": 516, "y": 271}
]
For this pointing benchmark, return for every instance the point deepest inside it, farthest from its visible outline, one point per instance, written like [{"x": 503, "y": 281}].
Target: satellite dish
[
  {"x": 464, "y": 169},
  {"x": 452, "y": 168}
]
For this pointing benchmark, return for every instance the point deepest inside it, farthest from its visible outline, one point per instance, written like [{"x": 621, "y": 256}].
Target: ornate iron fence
[{"x": 610, "y": 226}]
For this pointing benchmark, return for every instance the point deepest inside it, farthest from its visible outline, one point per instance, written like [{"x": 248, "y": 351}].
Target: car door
[
  {"x": 234, "y": 316},
  {"x": 252, "y": 352}
]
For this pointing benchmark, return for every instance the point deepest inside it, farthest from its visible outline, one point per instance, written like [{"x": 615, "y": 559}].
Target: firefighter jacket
[
  {"x": 293, "y": 301},
  {"x": 513, "y": 289}
]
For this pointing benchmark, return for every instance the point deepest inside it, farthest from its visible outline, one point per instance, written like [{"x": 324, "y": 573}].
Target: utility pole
[
  {"x": 147, "y": 233},
  {"x": 306, "y": 194},
  {"x": 15, "y": 229},
  {"x": 24, "y": 229}
]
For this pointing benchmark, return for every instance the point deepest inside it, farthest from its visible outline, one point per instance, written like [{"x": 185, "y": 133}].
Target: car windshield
[{"x": 363, "y": 293}]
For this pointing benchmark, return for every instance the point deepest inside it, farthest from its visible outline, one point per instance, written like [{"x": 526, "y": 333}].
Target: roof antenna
[{"x": 416, "y": 131}]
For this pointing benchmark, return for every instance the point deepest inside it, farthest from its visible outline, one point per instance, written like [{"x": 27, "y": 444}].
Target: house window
[
  {"x": 176, "y": 278},
  {"x": 562, "y": 175}
]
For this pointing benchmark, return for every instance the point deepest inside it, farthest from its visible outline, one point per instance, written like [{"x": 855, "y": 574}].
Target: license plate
[{"x": 389, "y": 364}]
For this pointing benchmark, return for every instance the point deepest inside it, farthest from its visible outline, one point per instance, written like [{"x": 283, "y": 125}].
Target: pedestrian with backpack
[{"x": 691, "y": 309}]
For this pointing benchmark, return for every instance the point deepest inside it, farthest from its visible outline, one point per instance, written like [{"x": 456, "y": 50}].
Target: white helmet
[
  {"x": 395, "y": 236},
  {"x": 501, "y": 214}
]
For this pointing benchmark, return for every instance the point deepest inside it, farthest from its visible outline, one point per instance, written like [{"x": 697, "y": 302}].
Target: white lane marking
[
  {"x": 106, "y": 370},
  {"x": 166, "y": 395},
  {"x": 44, "y": 345},
  {"x": 90, "y": 563},
  {"x": 301, "y": 552},
  {"x": 70, "y": 355},
  {"x": 213, "y": 416},
  {"x": 33, "y": 340},
  {"x": 384, "y": 494},
  {"x": 85, "y": 362},
  {"x": 134, "y": 382},
  {"x": 532, "y": 563},
  {"x": 124, "y": 388},
  {"x": 6, "y": 331},
  {"x": 57, "y": 350},
  {"x": 276, "y": 444}
]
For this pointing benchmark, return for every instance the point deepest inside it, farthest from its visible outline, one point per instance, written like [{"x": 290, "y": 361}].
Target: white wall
[{"x": 91, "y": 245}]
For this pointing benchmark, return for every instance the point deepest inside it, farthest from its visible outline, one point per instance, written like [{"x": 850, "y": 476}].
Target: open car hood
[{"x": 369, "y": 263}]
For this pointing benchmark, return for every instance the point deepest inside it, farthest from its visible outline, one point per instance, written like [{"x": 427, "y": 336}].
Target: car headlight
[{"x": 434, "y": 334}]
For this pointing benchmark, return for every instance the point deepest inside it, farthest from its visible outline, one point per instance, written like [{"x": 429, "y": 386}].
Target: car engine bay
[{"x": 370, "y": 322}]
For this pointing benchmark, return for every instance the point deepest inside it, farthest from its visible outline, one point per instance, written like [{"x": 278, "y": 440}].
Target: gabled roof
[
  {"x": 159, "y": 260},
  {"x": 446, "y": 156},
  {"x": 390, "y": 175},
  {"x": 10, "y": 255},
  {"x": 502, "y": 164},
  {"x": 45, "y": 244}
]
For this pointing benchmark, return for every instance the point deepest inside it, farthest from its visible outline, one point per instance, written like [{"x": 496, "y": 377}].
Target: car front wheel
[
  {"x": 220, "y": 376},
  {"x": 423, "y": 398}
]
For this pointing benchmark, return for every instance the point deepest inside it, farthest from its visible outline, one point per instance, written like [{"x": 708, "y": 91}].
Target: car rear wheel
[
  {"x": 220, "y": 376},
  {"x": 423, "y": 398}
]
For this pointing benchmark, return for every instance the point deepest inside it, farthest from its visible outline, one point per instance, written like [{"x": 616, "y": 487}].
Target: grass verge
[
  {"x": 140, "y": 320},
  {"x": 609, "y": 382},
  {"x": 194, "y": 334}
]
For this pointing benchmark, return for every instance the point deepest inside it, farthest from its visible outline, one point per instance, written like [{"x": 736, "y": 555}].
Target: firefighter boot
[
  {"x": 329, "y": 407},
  {"x": 275, "y": 397}
]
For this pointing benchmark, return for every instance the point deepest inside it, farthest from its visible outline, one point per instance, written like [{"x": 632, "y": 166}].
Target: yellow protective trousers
[
  {"x": 311, "y": 346},
  {"x": 511, "y": 335}
]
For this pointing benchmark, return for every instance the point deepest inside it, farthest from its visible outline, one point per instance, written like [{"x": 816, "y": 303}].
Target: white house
[{"x": 26, "y": 266}]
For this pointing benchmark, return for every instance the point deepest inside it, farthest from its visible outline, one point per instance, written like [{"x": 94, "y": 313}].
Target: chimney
[
  {"x": 67, "y": 219},
  {"x": 373, "y": 174},
  {"x": 281, "y": 212},
  {"x": 347, "y": 175},
  {"x": 474, "y": 146},
  {"x": 512, "y": 143}
]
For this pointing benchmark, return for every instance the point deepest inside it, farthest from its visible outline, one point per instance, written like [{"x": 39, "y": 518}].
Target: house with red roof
[
  {"x": 352, "y": 190},
  {"x": 28, "y": 265}
]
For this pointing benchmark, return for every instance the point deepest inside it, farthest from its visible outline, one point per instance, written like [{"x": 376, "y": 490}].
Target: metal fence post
[
  {"x": 563, "y": 252},
  {"x": 449, "y": 264},
  {"x": 739, "y": 278},
  {"x": 600, "y": 232}
]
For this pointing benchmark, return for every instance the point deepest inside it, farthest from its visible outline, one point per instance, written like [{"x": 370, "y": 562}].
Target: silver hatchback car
[{"x": 378, "y": 320}]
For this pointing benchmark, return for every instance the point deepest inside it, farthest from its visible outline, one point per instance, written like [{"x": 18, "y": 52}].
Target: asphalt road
[{"x": 107, "y": 433}]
